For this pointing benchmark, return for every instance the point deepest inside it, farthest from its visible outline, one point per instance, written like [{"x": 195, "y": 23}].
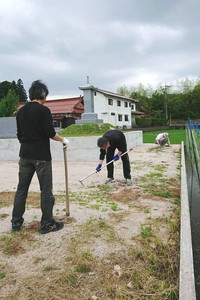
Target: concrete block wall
[
  {"x": 80, "y": 148},
  {"x": 8, "y": 127}
]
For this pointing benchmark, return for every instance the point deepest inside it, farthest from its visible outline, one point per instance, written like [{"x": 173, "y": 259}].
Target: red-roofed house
[{"x": 64, "y": 111}]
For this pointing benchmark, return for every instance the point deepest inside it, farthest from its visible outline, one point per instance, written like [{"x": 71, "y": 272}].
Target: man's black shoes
[
  {"x": 51, "y": 227},
  {"x": 16, "y": 228}
]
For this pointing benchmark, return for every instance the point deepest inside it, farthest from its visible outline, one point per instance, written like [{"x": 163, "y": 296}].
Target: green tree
[
  {"x": 18, "y": 88},
  {"x": 157, "y": 105},
  {"x": 8, "y": 105},
  {"x": 20, "y": 91},
  {"x": 178, "y": 101},
  {"x": 5, "y": 86}
]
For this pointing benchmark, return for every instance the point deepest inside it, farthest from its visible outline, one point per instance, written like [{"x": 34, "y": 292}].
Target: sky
[{"x": 114, "y": 42}]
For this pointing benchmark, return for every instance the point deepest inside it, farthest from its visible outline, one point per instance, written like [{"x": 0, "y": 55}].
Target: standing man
[
  {"x": 34, "y": 130},
  {"x": 108, "y": 143}
]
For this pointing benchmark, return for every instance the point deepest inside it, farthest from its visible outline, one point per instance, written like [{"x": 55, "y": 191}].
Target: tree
[
  {"x": 157, "y": 105},
  {"x": 20, "y": 91},
  {"x": 180, "y": 101},
  {"x": 5, "y": 86},
  {"x": 18, "y": 88},
  {"x": 8, "y": 104}
]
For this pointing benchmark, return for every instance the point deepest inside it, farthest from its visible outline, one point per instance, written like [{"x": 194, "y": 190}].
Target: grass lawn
[{"x": 176, "y": 136}]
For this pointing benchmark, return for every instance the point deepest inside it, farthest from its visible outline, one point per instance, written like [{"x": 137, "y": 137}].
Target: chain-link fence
[{"x": 193, "y": 146}]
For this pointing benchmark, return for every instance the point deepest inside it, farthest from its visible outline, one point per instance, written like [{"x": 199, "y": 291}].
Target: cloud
[{"x": 115, "y": 42}]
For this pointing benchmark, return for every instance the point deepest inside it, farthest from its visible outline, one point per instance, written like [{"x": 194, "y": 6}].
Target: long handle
[
  {"x": 66, "y": 181},
  {"x": 81, "y": 181}
]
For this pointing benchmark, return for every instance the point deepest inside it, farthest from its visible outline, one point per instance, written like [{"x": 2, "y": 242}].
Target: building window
[
  {"x": 110, "y": 101},
  {"x": 125, "y": 104},
  {"x": 55, "y": 123},
  {"x": 126, "y": 118},
  {"x": 118, "y": 103},
  {"x": 112, "y": 114},
  {"x": 119, "y": 117}
]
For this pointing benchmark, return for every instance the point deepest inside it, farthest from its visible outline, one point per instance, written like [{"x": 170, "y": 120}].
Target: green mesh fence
[{"x": 193, "y": 145}]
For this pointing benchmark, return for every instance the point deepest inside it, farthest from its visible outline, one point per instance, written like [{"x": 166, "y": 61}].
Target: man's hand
[
  {"x": 116, "y": 157},
  {"x": 98, "y": 168},
  {"x": 65, "y": 143}
]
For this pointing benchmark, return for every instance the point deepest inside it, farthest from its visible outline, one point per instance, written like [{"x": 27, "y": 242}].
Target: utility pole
[{"x": 166, "y": 104}]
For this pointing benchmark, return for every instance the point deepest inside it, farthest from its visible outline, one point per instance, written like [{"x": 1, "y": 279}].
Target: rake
[{"x": 81, "y": 181}]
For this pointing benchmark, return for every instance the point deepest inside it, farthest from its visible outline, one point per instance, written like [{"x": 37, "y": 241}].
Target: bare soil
[{"x": 35, "y": 266}]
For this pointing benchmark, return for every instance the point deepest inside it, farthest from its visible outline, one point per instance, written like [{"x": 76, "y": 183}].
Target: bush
[
  {"x": 150, "y": 122},
  {"x": 143, "y": 122}
]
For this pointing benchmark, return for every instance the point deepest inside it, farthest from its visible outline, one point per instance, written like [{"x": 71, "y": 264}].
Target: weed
[
  {"x": 14, "y": 244},
  {"x": 114, "y": 206},
  {"x": 146, "y": 231},
  {"x": 2, "y": 275},
  {"x": 49, "y": 268},
  {"x": 88, "y": 255},
  {"x": 160, "y": 168},
  {"x": 163, "y": 193},
  {"x": 83, "y": 268},
  {"x": 72, "y": 279}
]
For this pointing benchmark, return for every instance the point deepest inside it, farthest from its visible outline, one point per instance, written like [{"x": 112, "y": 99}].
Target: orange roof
[{"x": 63, "y": 106}]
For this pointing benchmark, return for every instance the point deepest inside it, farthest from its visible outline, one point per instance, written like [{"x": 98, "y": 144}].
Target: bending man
[
  {"x": 108, "y": 143},
  {"x": 162, "y": 139}
]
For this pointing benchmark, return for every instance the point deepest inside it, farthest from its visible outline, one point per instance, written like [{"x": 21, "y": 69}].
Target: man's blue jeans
[{"x": 27, "y": 168}]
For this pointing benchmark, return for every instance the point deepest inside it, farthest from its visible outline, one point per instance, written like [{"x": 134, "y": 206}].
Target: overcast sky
[{"x": 114, "y": 42}]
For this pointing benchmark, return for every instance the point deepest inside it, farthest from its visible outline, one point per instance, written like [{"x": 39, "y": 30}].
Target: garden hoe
[
  {"x": 66, "y": 180},
  {"x": 81, "y": 181}
]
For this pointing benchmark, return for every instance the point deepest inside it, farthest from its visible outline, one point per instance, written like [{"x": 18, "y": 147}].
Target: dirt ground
[
  {"x": 124, "y": 210},
  {"x": 78, "y": 170}
]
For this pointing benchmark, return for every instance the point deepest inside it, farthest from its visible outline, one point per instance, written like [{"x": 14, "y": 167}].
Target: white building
[{"x": 101, "y": 106}]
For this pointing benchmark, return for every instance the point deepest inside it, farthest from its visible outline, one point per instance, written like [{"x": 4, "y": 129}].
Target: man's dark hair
[
  {"x": 38, "y": 90},
  {"x": 102, "y": 142}
]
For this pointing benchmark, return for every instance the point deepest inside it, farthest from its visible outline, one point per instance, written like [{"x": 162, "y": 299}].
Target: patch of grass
[
  {"x": 160, "y": 168},
  {"x": 89, "y": 129},
  {"x": 15, "y": 243},
  {"x": 156, "y": 184},
  {"x": 2, "y": 275},
  {"x": 83, "y": 268},
  {"x": 114, "y": 206},
  {"x": 49, "y": 268},
  {"x": 96, "y": 197},
  {"x": 176, "y": 136},
  {"x": 88, "y": 255},
  {"x": 92, "y": 229},
  {"x": 146, "y": 231},
  {"x": 153, "y": 178},
  {"x": 72, "y": 280},
  {"x": 163, "y": 193}
]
